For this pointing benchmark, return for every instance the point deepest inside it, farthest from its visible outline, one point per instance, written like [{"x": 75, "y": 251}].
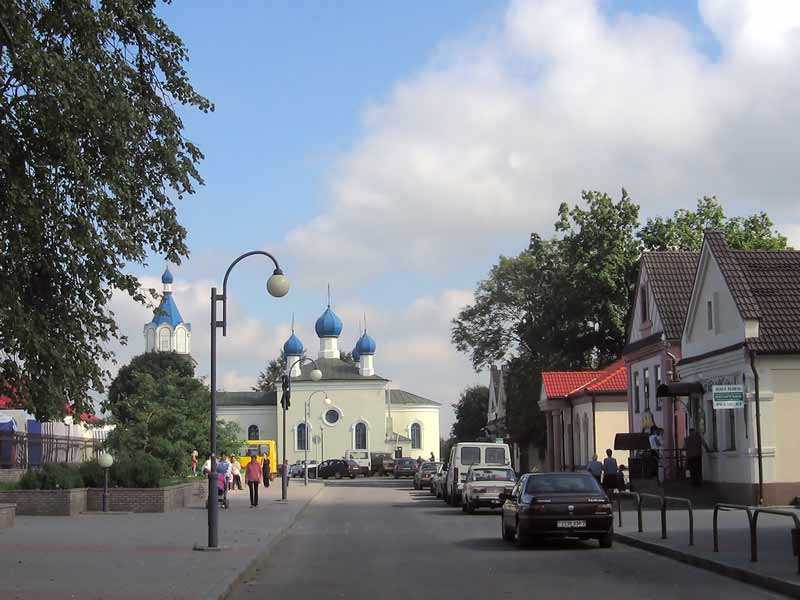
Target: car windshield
[
  {"x": 576, "y": 483},
  {"x": 470, "y": 455},
  {"x": 493, "y": 475},
  {"x": 405, "y": 462},
  {"x": 428, "y": 467}
]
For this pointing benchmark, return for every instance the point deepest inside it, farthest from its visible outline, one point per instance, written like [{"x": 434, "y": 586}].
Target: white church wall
[
  {"x": 427, "y": 417},
  {"x": 263, "y": 417}
]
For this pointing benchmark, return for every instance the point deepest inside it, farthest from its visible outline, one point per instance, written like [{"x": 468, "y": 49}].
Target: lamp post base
[{"x": 199, "y": 548}]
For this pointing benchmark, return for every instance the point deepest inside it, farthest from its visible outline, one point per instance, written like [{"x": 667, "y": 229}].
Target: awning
[
  {"x": 679, "y": 388},
  {"x": 632, "y": 441}
]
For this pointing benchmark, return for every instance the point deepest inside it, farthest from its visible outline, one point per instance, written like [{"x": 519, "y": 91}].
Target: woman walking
[{"x": 252, "y": 475}]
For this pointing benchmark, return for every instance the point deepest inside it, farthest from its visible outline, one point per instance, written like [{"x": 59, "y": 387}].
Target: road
[{"x": 374, "y": 540}]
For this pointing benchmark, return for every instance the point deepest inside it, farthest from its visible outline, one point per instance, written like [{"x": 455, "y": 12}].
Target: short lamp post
[
  {"x": 286, "y": 382},
  {"x": 105, "y": 460},
  {"x": 327, "y": 401}
]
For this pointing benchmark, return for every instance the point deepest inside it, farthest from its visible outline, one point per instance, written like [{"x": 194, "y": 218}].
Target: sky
[{"x": 395, "y": 150}]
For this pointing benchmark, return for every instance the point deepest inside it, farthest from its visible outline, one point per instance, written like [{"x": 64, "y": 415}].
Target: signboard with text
[{"x": 726, "y": 397}]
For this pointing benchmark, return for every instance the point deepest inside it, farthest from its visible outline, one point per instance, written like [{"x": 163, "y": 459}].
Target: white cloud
[{"x": 488, "y": 139}]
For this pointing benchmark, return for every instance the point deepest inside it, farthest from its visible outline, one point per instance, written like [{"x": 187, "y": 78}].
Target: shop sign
[{"x": 727, "y": 397}]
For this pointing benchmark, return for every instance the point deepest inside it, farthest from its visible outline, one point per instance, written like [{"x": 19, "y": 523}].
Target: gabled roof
[
  {"x": 247, "y": 398},
  {"x": 560, "y": 384},
  {"x": 407, "y": 398},
  {"x": 614, "y": 378},
  {"x": 765, "y": 285},
  {"x": 671, "y": 277}
]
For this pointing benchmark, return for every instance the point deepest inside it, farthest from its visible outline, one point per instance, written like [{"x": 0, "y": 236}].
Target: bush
[
  {"x": 52, "y": 477},
  {"x": 138, "y": 470},
  {"x": 92, "y": 474}
]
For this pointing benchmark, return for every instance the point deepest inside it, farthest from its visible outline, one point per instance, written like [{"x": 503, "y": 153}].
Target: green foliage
[
  {"x": 92, "y": 156},
  {"x": 270, "y": 378},
  {"x": 52, "y": 477},
  {"x": 92, "y": 474},
  {"x": 138, "y": 470},
  {"x": 164, "y": 413},
  {"x": 471, "y": 410}
]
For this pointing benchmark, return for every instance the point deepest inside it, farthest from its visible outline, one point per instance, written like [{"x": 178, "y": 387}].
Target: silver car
[{"x": 484, "y": 485}]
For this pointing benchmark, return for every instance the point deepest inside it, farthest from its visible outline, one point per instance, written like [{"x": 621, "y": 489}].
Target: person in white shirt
[{"x": 656, "y": 447}]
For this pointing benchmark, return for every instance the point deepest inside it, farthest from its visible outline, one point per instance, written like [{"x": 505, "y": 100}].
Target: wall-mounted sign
[{"x": 726, "y": 397}]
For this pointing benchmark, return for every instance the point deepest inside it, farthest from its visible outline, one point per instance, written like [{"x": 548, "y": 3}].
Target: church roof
[
  {"x": 335, "y": 369},
  {"x": 247, "y": 398},
  {"x": 407, "y": 398},
  {"x": 168, "y": 313}
]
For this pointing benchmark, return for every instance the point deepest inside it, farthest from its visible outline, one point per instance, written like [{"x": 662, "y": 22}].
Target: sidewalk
[
  {"x": 776, "y": 568},
  {"x": 128, "y": 556}
]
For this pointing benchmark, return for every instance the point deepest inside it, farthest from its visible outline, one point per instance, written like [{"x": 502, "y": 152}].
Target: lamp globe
[{"x": 105, "y": 460}]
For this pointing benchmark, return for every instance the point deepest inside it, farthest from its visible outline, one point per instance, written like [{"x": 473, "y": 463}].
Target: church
[{"x": 364, "y": 413}]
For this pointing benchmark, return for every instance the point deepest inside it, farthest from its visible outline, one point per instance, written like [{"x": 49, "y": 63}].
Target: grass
[{"x": 7, "y": 485}]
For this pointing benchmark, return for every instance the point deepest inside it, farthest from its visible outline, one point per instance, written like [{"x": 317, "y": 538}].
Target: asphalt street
[{"x": 370, "y": 539}]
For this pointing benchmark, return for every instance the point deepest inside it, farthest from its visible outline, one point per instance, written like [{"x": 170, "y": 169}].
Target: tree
[
  {"x": 269, "y": 379},
  {"x": 158, "y": 407},
  {"x": 347, "y": 357},
  {"x": 92, "y": 156},
  {"x": 471, "y": 412}
]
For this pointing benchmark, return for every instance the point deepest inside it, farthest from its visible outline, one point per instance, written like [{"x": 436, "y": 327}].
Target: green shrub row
[{"x": 137, "y": 471}]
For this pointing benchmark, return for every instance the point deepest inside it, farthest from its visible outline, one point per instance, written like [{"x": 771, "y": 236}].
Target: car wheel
[
  {"x": 522, "y": 540},
  {"x": 352, "y": 476},
  {"x": 464, "y": 508},
  {"x": 506, "y": 533},
  {"x": 606, "y": 540}
]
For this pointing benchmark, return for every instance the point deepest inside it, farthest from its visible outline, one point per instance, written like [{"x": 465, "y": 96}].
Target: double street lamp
[
  {"x": 286, "y": 381},
  {"x": 327, "y": 401},
  {"x": 277, "y": 286}
]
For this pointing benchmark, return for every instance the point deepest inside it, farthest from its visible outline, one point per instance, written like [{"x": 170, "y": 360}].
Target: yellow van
[{"x": 259, "y": 448}]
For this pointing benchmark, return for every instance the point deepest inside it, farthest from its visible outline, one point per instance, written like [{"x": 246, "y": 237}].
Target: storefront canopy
[
  {"x": 631, "y": 441},
  {"x": 679, "y": 388}
]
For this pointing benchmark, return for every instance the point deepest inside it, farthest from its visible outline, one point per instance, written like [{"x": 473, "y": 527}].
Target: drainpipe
[
  {"x": 572, "y": 436},
  {"x": 594, "y": 424},
  {"x": 758, "y": 429}
]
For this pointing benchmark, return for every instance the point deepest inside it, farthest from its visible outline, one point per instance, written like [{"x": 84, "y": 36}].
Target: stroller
[{"x": 222, "y": 491}]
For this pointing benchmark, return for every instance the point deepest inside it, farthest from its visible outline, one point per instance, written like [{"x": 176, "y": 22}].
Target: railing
[
  {"x": 21, "y": 450},
  {"x": 752, "y": 519},
  {"x": 662, "y": 502}
]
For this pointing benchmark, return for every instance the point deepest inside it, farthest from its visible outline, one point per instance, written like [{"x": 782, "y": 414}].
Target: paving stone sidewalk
[
  {"x": 776, "y": 568},
  {"x": 142, "y": 556}
]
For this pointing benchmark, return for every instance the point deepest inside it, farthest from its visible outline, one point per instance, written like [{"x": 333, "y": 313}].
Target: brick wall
[
  {"x": 146, "y": 500},
  {"x": 65, "y": 503},
  {"x": 7, "y": 514},
  {"x": 11, "y": 475}
]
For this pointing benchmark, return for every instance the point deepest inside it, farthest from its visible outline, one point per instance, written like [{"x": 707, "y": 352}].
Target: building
[
  {"x": 742, "y": 329},
  {"x": 653, "y": 346},
  {"x": 364, "y": 413},
  {"x": 584, "y": 410}
]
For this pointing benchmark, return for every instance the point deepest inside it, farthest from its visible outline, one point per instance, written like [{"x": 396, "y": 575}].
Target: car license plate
[{"x": 570, "y": 524}]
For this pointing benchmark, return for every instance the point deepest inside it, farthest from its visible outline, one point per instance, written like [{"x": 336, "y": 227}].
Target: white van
[
  {"x": 464, "y": 454},
  {"x": 363, "y": 460}
]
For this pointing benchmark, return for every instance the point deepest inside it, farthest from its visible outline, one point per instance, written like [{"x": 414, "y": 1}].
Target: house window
[
  {"x": 301, "y": 438},
  {"x": 252, "y": 432},
  {"x": 360, "y": 435},
  {"x": 731, "y": 441},
  {"x": 180, "y": 341},
  {"x": 151, "y": 340},
  {"x": 646, "y": 376},
  {"x": 636, "y": 391},
  {"x": 416, "y": 436},
  {"x": 657, "y": 373},
  {"x": 164, "y": 344},
  {"x": 710, "y": 315},
  {"x": 643, "y": 302}
]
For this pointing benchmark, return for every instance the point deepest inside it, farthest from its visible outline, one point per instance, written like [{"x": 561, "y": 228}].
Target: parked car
[
  {"x": 404, "y": 467},
  {"x": 382, "y": 463},
  {"x": 557, "y": 505},
  {"x": 363, "y": 459},
  {"x": 336, "y": 468},
  {"x": 296, "y": 469},
  {"x": 422, "y": 478},
  {"x": 484, "y": 485},
  {"x": 437, "y": 480},
  {"x": 312, "y": 468},
  {"x": 464, "y": 454}
]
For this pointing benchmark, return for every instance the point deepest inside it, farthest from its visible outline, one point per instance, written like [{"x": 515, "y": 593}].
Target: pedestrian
[
  {"x": 224, "y": 468},
  {"x": 655, "y": 452},
  {"x": 694, "y": 445},
  {"x": 610, "y": 472},
  {"x": 266, "y": 472},
  {"x": 419, "y": 460},
  {"x": 236, "y": 471},
  {"x": 207, "y": 466},
  {"x": 253, "y": 476},
  {"x": 194, "y": 463},
  {"x": 595, "y": 467},
  {"x": 432, "y": 458}
]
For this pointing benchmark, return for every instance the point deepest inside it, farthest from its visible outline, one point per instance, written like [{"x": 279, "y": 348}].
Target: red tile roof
[
  {"x": 614, "y": 378},
  {"x": 560, "y": 384}
]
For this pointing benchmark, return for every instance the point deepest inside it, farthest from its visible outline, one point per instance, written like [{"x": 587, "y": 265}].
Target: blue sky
[{"x": 396, "y": 149}]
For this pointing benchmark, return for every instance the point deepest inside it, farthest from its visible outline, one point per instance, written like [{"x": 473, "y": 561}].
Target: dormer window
[
  {"x": 643, "y": 302},
  {"x": 710, "y": 314}
]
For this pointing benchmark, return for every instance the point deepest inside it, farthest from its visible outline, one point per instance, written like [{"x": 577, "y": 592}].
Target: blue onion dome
[
  {"x": 167, "y": 276},
  {"x": 366, "y": 345},
  {"x": 356, "y": 354},
  {"x": 293, "y": 346},
  {"x": 328, "y": 324}
]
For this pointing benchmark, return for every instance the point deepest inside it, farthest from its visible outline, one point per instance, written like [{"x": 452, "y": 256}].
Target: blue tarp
[{"x": 34, "y": 442}]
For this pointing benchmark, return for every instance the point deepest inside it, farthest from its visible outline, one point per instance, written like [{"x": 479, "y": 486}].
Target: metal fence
[{"x": 23, "y": 450}]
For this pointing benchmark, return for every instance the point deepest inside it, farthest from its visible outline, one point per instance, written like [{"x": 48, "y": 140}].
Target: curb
[
  {"x": 262, "y": 556},
  {"x": 766, "y": 582}
]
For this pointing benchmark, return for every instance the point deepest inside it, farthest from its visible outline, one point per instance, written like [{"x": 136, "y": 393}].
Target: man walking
[
  {"x": 694, "y": 445},
  {"x": 610, "y": 472},
  {"x": 595, "y": 467}
]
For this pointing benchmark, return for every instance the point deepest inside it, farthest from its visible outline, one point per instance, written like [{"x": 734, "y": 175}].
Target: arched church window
[
  {"x": 302, "y": 437},
  {"x": 180, "y": 341},
  {"x": 416, "y": 436},
  {"x": 360, "y": 435},
  {"x": 164, "y": 344},
  {"x": 151, "y": 340},
  {"x": 252, "y": 432}
]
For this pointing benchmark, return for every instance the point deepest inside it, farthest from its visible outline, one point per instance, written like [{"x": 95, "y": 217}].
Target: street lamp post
[
  {"x": 105, "y": 460},
  {"x": 277, "y": 286},
  {"x": 327, "y": 402},
  {"x": 286, "y": 382}
]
